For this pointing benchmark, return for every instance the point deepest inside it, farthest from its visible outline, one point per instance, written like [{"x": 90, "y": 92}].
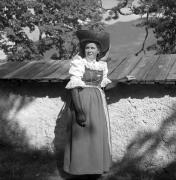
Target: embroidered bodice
[
  {"x": 84, "y": 73},
  {"x": 92, "y": 77}
]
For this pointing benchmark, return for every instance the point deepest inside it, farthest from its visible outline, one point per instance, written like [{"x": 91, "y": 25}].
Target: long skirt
[{"x": 87, "y": 148}]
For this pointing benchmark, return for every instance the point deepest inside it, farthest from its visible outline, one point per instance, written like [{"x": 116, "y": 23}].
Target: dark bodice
[{"x": 92, "y": 77}]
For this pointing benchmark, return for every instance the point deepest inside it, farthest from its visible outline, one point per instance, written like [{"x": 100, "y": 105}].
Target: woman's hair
[{"x": 83, "y": 46}]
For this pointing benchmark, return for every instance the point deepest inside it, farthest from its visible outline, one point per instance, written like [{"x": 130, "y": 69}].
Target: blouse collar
[{"x": 91, "y": 61}]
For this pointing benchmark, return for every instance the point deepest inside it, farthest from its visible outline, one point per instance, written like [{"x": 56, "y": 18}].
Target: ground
[{"x": 16, "y": 164}]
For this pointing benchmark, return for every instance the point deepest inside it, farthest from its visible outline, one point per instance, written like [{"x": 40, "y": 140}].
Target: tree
[
  {"x": 57, "y": 21},
  {"x": 160, "y": 15}
]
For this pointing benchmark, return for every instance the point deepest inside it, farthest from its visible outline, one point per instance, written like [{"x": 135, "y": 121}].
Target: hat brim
[{"x": 102, "y": 38}]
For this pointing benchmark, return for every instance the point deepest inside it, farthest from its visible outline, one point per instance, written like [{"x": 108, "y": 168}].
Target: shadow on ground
[{"x": 18, "y": 164}]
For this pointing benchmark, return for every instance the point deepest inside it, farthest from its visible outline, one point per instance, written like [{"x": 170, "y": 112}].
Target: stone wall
[
  {"x": 29, "y": 111},
  {"x": 143, "y": 121}
]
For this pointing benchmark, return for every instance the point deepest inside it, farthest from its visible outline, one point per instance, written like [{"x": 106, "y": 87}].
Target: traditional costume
[{"x": 88, "y": 147}]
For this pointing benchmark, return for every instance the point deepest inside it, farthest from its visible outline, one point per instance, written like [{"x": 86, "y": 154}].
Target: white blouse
[{"x": 77, "y": 69}]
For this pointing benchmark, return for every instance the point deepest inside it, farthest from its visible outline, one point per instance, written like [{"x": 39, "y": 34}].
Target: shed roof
[{"x": 146, "y": 69}]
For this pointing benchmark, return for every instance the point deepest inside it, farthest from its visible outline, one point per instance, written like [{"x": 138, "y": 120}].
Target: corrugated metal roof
[{"x": 146, "y": 69}]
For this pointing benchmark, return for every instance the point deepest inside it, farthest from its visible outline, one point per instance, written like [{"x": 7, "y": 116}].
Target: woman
[{"x": 88, "y": 149}]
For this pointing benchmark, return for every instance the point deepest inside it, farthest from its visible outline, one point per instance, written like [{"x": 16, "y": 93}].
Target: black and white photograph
[{"x": 87, "y": 90}]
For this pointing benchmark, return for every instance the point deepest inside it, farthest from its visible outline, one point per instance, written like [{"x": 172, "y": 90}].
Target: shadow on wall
[
  {"x": 139, "y": 91},
  {"x": 61, "y": 136},
  {"x": 10, "y": 104},
  {"x": 19, "y": 161},
  {"x": 139, "y": 162},
  {"x": 15, "y": 96},
  {"x": 150, "y": 155}
]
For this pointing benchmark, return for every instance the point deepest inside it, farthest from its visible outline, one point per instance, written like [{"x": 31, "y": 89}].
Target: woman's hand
[{"x": 81, "y": 119}]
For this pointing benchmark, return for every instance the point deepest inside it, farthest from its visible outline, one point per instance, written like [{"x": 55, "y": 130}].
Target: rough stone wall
[
  {"x": 29, "y": 112},
  {"x": 143, "y": 121},
  {"x": 143, "y": 124}
]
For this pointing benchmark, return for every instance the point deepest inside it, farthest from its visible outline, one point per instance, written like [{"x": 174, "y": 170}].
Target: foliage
[
  {"x": 56, "y": 20},
  {"x": 161, "y": 16}
]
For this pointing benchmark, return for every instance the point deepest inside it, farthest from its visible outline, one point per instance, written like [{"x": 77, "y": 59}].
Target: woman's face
[{"x": 91, "y": 51}]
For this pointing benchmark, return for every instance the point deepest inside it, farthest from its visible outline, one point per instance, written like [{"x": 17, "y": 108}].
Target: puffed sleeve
[
  {"x": 77, "y": 69},
  {"x": 105, "y": 80}
]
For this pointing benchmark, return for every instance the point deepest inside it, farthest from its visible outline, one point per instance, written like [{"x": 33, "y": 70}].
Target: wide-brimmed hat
[{"x": 101, "y": 37}]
